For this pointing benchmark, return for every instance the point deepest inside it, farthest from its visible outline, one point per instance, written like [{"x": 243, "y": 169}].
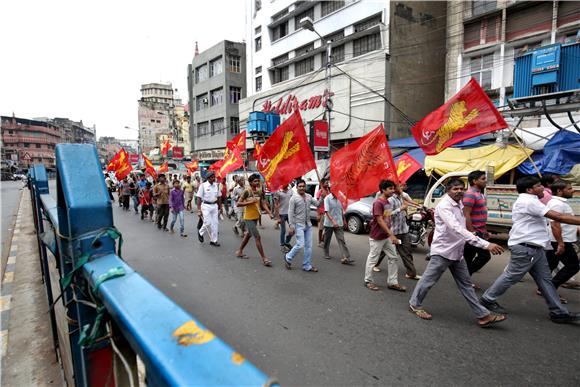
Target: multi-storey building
[
  {"x": 382, "y": 53},
  {"x": 27, "y": 142},
  {"x": 75, "y": 132},
  {"x": 216, "y": 83},
  {"x": 155, "y": 109}
]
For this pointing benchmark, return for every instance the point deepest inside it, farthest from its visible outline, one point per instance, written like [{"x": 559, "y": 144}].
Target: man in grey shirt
[
  {"x": 282, "y": 202},
  {"x": 334, "y": 223},
  {"x": 299, "y": 220}
]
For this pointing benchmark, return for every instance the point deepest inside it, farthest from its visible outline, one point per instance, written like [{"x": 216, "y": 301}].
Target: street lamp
[{"x": 307, "y": 24}]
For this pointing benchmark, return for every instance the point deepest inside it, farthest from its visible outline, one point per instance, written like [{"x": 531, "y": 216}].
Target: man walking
[
  {"x": 251, "y": 201},
  {"x": 177, "y": 207},
  {"x": 188, "y": 191},
  {"x": 281, "y": 203},
  {"x": 300, "y": 224},
  {"x": 528, "y": 238},
  {"x": 334, "y": 224},
  {"x": 209, "y": 206},
  {"x": 475, "y": 211},
  {"x": 146, "y": 201},
  {"x": 237, "y": 191},
  {"x": 382, "y": 239},
  {"x": 320, "y": 195},
  {"x": 446, "y": 253},
  {"x": 400, "y": 228},
  {"x": 161, "y": 196}
]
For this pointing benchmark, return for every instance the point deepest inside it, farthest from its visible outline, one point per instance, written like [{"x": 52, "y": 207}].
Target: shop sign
[
  {"x": 211, "y": 154},
  {"x": 177, "y": 152},
  {"x": 319, "y": 136}
]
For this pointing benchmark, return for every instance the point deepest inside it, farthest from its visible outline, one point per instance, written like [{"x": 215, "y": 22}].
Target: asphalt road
[
  {"x": 10, "y": 196},
  {"x": 327, "y": 329}
]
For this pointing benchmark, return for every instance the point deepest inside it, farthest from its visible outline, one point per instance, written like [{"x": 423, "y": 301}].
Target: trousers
[
  {"x": 181, "y": 216},
  {"x": 210, "y": 221},
  {"x": 376, "y": 247},
  {"x": 162, "y": 215},
  {"x": 569, "y": 259},
  {"x": 303, "y": 240},
  {"x": 284, "y": 239},
  {"x": 405, "y": 250},
  {"x": 339, "y": 233},
  {"x": 475, "y": 257}
]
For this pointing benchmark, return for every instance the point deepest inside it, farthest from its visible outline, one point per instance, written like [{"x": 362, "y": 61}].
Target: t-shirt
[
  {"x": 529, "y": 222},
  {"x": 476, "y": 200},
  {"x": 162, "y": 193},
  {"x": 252, "y": 211},
  {"x": 334, "y": 208},
  {"x": 187, "y": 187},
  {"x": 381, "y": 207},
  {"x": 569, "y": 231},
  {"x": 284, "y": 200}
]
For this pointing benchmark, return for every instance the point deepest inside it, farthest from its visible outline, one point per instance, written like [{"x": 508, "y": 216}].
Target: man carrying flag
[
  {"x": 149, "y": 168},
  {"x": 469, "y": 113}
]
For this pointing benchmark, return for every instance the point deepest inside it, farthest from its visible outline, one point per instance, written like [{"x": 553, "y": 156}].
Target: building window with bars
[
  {"x": 258, "y": 70},
  {"x": 479, "y": 7},
  {"x": 308, "y": 13},
  {"x": 280, "y": 31},
  {"x": 234, "y": 125},
  {"x": 200, "y": 102},
  {"x": 481, "y": 68},
  {"x": 258, "y": 43},
  {"x": 235, "y": 63},
  {"x": 216, "y": 67},
  {"x": 202, "y": 129},
  {"x": 257, "y": 30},
  {"x": 258, "y": 83},
  {"x": 366, "y": 24},
  {"x": 235, "y": 94},
  {"x": 258, "y": 5},
  {"x": 281, "y": 74},
  {"x": 303, "y": 50},
  {"x": 304, "y": 66},
  {"x": 279, "y": 59},
  {"x": 366, "y": 44},
  {"x": 217, "y": 126},
  {"x": 201, "y": 73},
  {"x": 217, "y": 96},
  {"x": 337, "y": 55},
  {"x": 329, "y": 7}
]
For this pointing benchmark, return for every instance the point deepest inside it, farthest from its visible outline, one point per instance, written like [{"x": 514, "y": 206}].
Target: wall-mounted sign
[
  {"x": 177, "y": 152},
  {"x": 319, "y": 136}
]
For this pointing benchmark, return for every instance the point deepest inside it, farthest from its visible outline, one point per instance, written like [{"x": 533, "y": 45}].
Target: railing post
[{"x": 84, "y": 213}]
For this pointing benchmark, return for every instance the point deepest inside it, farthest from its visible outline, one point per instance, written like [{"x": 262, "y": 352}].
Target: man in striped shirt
[{"x": 475, "y": 211}]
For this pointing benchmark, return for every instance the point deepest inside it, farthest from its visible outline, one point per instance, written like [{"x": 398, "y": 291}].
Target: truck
[{"x": 500, "y": 199}]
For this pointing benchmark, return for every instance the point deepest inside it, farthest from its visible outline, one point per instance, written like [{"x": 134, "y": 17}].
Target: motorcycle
[{"x": 419, "y": 224}]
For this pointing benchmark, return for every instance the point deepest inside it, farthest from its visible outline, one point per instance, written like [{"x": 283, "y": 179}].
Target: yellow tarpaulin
[{"x": 503, "y": 159}]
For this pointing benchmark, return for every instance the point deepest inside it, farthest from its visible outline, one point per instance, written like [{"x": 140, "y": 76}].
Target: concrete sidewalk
[{"x": 28, "y": 355}]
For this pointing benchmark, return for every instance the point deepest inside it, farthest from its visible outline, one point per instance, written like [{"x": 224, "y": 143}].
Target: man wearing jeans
[
  {"x": 281, "y": 203},
  {"x": 528, "y": 239},
  {"x": 299, "y": 220},
  {"x": 177, "y": 206}
]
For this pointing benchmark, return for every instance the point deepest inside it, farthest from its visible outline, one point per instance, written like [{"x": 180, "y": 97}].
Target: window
[
  {"x": 304, "y": 66},
  {"x": 235, "y": 94},
  {"x": 258, "y": 43},
  {"x": 257, "y": 30},
  {"x": 481, "y": 68},
  {"x": 217, "y": 126},
  {"x": 479, "y": 7},
  {"x": 215, "y": 67},
  {"x": 258, "y": 70},
  {"x": 201, "y": 102},
  {"x": 367, "y": 44},
  {"x": 280, "y": 15},
  {"x": 280, "y": 59},
  {"x": 366, "y": 24},
  {"x": 38, "y": 145},
  {"x": 337, "y": 36},
  {"x": 202, "y": 129},
  {"x": 201, "y": 73},
  {"x": 280, "y": 31},
  {"x": 259, "y": 83},
  {"x": 308, "y": 13},
  {"x": 281, "y": 74},
  {"x": 234, "y": 125},
  {"x": 331, "y": 6},
  {"x": 337, "y": 55},
  {"x": 234, "y": 62},
  {"x": 304, "y": 49},
  {"x": 217, "y": 96},
  {"x": 258, "y": 4}
]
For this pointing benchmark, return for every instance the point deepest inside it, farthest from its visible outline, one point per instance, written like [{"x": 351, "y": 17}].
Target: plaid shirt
[{"x": 398, "y": 217}]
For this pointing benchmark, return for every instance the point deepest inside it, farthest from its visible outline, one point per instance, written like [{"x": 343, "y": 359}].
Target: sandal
[
  {"x": 372, "y": 286},
  {"x": 495, "y": 318},
  {"x": 242, "y": 256},
  {"x": 267, "y": 262},
  {"x": 346, "y": 261},
  {"x": 287, "y": 264},
  {"x": 421, "y": 313},
  {"x": 312, "y": 269},
  {"x": 376, "y": 269},
  {"x": 397, "y": 287}
]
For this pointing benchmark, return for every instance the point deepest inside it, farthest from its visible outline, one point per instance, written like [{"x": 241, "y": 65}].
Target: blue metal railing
[{"x": 112, "y": 313}]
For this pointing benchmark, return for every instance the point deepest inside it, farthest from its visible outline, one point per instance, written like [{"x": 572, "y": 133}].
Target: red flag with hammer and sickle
[
  {"x": 406, "y": 166},
  {"x": 231, "y": 163},
  {"x": 237, "y": 142},
  {"x": 357, "y": 169},
  {"x": 469, "y": 113},
  {"x": 149, "y": 168},
  {"x": 163, "y": 168},
  {"x": 193, "y": 166},
  {"x": 117, "y": 160},
  {"x": 286, "y": 154}
]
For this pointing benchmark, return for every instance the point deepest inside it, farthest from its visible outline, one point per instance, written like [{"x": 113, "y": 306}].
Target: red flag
[
  {"x": 257, "y": 148},
  {"x": 233, "y": 162},
  {"x": 237, "y": 142},
  {"x": 123, "y": 167},
  {"x": 117, "y": 160},
  {"x": 286, "y": 154},
  {"x": 406, "y": 166},
  {"x": 149, "y": 168},
  {"x": 165, "y": 147},
  {"x": 467, "y": 114},
  {"x": 216, "y": 166},
  {"x": 163, "y": 168},
  {"x": 357, "y": 169},
  {"x": 193, "y": 166}
]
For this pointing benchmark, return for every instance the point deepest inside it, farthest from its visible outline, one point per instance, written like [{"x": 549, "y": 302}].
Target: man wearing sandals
[
  {"x": 251, "y": 200},
  {"x": 382, "y": 239},
  {"x": 449, "y": 239}
]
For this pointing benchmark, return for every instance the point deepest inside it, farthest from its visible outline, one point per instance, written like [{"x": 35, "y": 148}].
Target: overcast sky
[{"x": 87, "y": 59}]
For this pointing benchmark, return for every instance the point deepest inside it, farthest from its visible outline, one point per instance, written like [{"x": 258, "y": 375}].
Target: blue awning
[
  {"x": 560, "y": 154},
  {"x": 409, "y": 142},
  {"x": 417, "y": 154}
]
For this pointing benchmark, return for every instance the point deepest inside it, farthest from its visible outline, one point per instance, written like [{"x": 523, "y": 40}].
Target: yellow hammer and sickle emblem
[
  {"x": 402, "y": 167},
  {"x": 285, "y": 152},
  {"x": 227, "y": 163},
  {"x": 457, "y": 120}
]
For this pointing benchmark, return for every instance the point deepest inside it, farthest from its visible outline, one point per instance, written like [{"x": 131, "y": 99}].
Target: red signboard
[
  {"x": 133, "y": 159},
  {"x": 177, "y": 152},
  {"x": 319, "y": 136}
]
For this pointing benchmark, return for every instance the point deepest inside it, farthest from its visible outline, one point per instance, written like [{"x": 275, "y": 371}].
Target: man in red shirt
[{"x": 321, "y": 194}]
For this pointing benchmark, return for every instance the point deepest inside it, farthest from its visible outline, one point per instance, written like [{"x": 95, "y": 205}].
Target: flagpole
[{"x": 529, "y": 156}]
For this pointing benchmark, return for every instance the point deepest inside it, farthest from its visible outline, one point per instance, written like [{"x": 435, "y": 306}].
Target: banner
[{"x": 406, "y": 166}]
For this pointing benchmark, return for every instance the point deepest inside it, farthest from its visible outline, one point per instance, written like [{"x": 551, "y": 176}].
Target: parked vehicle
[
  {"x": 420, "y": 224},
  {"x": 359, "y": 214}
]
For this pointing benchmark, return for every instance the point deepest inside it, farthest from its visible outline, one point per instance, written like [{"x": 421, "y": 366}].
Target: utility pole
[{"x": 328, "y": 84}]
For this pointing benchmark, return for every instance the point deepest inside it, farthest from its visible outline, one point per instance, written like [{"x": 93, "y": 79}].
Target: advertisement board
[
  {"x": 177, "y": 152},
  {"x": 319, "y": 136}
]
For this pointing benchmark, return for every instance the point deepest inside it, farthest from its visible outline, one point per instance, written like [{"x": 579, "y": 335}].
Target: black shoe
[
  {"x": 565, "y": 318},
  {"x": 216, "y": 244},
  {"x": 492, "y": 306},
  {"x": 200, "y": 237},
  {"x": 288, "y": 246}
]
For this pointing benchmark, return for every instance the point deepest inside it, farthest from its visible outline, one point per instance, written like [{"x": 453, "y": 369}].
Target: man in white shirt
[
  {"x": 527, "y": 241},
  {"x": 209, "y": 204},
  {"x": 562, "y": 236},
  {"x": 447, "y": 253}
]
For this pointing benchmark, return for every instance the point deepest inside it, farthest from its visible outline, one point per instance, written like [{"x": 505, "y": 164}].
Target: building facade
[
  {"x": 75, "y": 132},
  {"x": 155, "y": 109},
  {"x": 216, "y": 84},
  {"x": 382, "y": 54}
]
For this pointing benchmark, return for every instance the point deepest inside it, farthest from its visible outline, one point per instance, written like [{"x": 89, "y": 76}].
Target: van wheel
[{"x": 355, "y": 224}]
